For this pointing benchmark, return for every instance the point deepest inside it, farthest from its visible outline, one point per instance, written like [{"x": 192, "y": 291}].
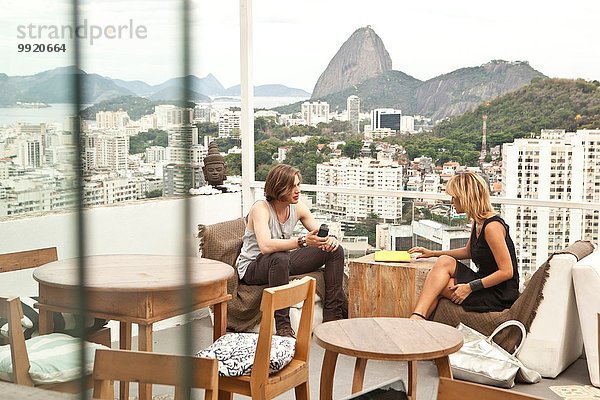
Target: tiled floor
[{"x": 169, "y": 341}]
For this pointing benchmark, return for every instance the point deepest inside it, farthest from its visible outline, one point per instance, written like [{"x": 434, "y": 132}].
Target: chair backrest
[
  {"x": 276, "y": 298},
  {"x": 449, "y": 389},
  {"x": 27, "y": 259},
  {"x": 153, "y": 368},
  {"x": 10, "y": 308}
]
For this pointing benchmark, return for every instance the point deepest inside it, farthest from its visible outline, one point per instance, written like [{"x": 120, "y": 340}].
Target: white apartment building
[
  {"x": 353, "y": 112},
  {"x": 363, "y": 173},
  {"x": 558, "y": 166},
  {"x": 103, "y": 190},
  {"x": 112, "y": 119},
  {"x": 315, "y": 112},
  {"x": 155, "y": 154},
  {"x": 148, "y": 122},
  {"x": 168, "y": 115},
  {"x": 381, "y": 133},
  {"x": 182, "y": 140},
  {"x": 106, "y": 152},
  {"x": 407, "y": 124},
  {"x": 30, "y": 153},
  {"x": 229, "y": 124},
  {"x": 436, "y": 236}
]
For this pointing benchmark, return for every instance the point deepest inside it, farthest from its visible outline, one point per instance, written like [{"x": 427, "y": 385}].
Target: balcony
[
  {"x": 158, "y": 227},
  {"x": 155, "y": 227}
]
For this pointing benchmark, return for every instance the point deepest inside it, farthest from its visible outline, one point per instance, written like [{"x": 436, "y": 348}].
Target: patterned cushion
[
  {"x": 235, "y": 352},
  {"x": 54, "y": 358}
]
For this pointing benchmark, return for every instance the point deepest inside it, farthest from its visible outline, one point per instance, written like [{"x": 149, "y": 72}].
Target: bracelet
[
  {"x": 302, "y": 241},
  {"x": 476, "y": 285}
]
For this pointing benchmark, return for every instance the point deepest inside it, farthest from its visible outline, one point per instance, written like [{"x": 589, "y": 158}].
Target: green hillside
[
  {"x": 393, "y": 89},
  {"x": 544, "y": 104}
]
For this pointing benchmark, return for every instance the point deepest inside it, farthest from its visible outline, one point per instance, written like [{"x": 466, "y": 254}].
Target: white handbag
[{"x": 481, "y": 360}]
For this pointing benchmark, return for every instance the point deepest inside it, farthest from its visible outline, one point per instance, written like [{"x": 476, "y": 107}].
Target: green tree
[
  {"x": 352, "y": 148},
  {"x": 233, "y": 164},
  {"x": 207, "y": 129},
  {"x": 366, "y": 228},
  {"x": 154, "y": 193}
]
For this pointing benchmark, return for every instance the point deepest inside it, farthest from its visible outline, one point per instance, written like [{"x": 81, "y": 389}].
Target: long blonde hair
[{"x": 471, "y": 191}]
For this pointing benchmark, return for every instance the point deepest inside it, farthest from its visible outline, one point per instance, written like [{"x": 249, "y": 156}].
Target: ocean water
[{"x": 57, "y": 112}]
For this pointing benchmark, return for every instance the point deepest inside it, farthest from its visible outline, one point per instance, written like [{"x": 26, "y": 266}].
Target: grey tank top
[{"x": 250, "y": 249}]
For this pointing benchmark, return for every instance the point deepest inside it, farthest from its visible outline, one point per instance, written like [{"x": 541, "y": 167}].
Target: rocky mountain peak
[{"x": 361, "y": 57}]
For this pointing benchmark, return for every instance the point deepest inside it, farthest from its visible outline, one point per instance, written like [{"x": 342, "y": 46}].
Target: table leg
[
  {"x": 443, "y": 366},
  {"x": 359, "y": 374},
  {"x": 46, "y": 322},
  {"x": 411, "y": 390},
  {"x": 327, "y": 372},
  {"x": 145, "y": 344},
  {"x": 220, "y": 317},
  {"x": 124, "y": 344}
]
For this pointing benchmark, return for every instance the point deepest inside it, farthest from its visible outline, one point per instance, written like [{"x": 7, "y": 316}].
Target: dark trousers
[{"x": 275, "y": 269}]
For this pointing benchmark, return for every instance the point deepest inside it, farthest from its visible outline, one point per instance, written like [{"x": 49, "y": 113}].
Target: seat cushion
[
  {"x": 54, "y": 358},
  {"x": 586, "y": 280},
  {"x": 235, "y": 353}
]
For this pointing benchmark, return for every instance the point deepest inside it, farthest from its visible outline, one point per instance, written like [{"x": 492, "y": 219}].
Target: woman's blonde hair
[
  {"x": 472, "y": 193},
  {"x": 280, "y": 180}
]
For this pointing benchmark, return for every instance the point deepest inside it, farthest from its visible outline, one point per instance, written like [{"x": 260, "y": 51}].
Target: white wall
[{"x": 146, "y": 227}]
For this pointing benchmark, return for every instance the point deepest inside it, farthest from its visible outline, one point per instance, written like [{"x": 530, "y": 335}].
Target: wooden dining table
[{"x": 133, "y": 289}]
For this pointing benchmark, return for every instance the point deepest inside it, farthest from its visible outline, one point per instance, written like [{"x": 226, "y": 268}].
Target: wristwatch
[{"x": 302, "y": 241}]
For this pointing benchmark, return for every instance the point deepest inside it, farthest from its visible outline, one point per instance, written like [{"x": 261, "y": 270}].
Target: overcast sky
[{"x": 294, "y": 40}]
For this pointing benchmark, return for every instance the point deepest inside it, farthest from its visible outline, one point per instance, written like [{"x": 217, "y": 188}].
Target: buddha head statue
[{"x": 214, "y": 166}]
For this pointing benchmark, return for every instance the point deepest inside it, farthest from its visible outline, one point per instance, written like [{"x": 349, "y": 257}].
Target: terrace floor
[{"x": 378, "y": 372}]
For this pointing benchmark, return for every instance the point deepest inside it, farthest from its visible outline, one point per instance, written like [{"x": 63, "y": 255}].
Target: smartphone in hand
[{"x": 323, "y": 231}]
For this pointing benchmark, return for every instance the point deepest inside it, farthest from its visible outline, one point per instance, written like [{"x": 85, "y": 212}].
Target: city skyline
[{"x": 294, "y": 42}]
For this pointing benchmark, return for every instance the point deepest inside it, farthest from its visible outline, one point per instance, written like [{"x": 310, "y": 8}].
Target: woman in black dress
[{"x": 493, "y": 284}]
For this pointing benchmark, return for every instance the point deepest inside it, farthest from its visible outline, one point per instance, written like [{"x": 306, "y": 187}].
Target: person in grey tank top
[{"x": 270, "y": 254}]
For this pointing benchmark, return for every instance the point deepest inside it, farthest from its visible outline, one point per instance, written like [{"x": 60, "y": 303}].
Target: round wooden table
[
  {"x": 138, "y": 289},
  {"x": 389, "y": 339}
]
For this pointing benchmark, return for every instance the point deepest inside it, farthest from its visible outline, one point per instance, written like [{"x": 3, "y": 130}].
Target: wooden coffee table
[
  {"x": 385, "y": 289},
  {"x": 389, "y": 339}
]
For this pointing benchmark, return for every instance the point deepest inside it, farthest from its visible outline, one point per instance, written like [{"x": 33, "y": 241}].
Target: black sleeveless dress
[{"x": 495, "y": 298}]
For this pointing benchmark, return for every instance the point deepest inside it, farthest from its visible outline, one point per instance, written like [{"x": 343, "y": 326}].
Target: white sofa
[
  {"x": 555, "y": 340},
  {"x": 586, "y": 280}
]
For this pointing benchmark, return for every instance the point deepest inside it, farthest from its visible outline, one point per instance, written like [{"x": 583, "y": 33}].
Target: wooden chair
[
  {"x": 153, "y": 368},
  {"x": 259, "y": 384},
  {"x": 10, "y": 309},
  {"x": 34, "y": 258},
  {"x": 449, "y": 389},
  {"x": 27, "y": 259}
]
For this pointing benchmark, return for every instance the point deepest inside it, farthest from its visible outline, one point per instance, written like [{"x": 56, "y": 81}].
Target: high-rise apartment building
[
  {"x": 353, "y": 111},
  {"x": 558, "y": 166},
  {"x": 386, "y": 118},
  {"x": 105, "y": 151},
  {"x": 315, "y": 112},
  {"x": 111, "y": 120},
  {"x": 168, "y": 115},
  {"x": 364, "y": 174},
  {"x": 229, "y": 124}
]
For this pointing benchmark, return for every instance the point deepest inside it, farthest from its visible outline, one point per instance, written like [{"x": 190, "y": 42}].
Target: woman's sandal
[{"x": 420, "y": 315}]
